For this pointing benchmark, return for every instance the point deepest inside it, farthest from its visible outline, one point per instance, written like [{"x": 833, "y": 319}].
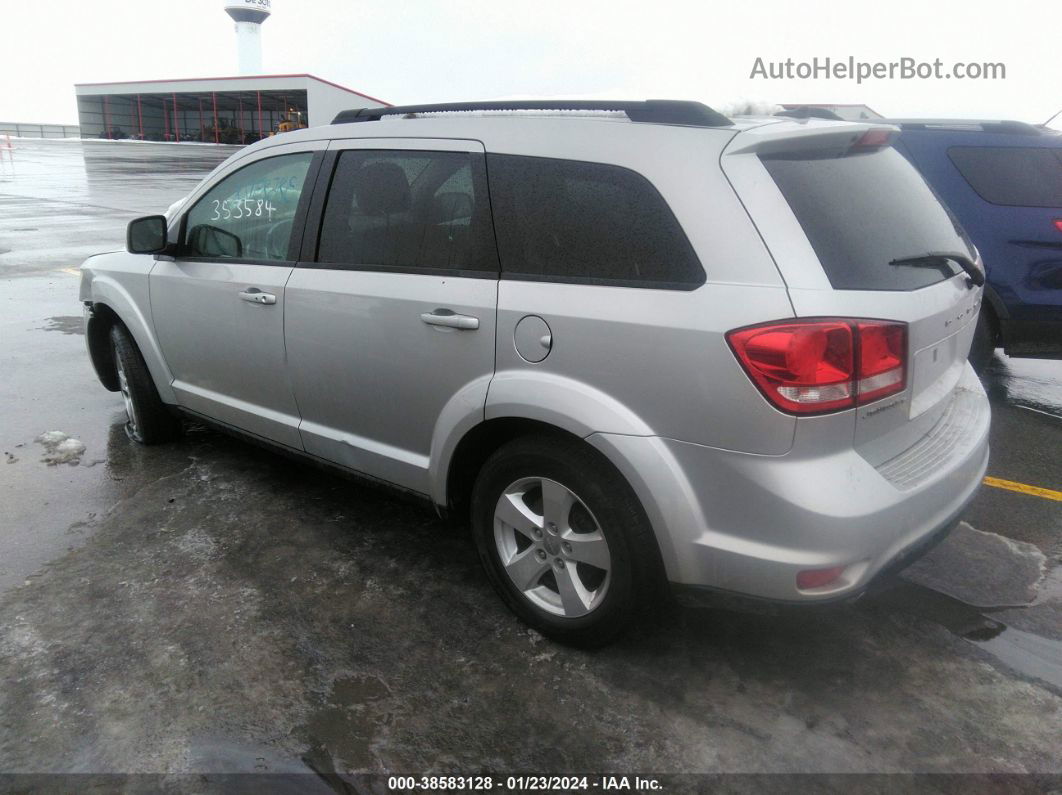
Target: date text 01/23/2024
[{"x": 529, "y": 783}]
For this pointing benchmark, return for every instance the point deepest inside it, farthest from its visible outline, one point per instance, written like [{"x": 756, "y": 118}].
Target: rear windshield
[
  {"x": 1016, "y": 176},
  {"x": 863, "y": 210}
]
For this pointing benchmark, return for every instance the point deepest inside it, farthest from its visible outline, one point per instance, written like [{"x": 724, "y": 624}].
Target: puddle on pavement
[
  {"x": 1030, "y": 383},
  {"x": 66, "y": 324},
  {"x": 1024, "y": 652},
  {"x": 343, "y": 727},
  {"x": 320, "y": 761}
]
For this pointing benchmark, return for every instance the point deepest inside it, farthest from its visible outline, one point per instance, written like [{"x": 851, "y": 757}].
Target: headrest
[{"x": 381, "y": 188}]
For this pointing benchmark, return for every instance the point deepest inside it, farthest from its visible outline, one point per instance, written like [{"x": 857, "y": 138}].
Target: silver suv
[{"x": 631, "y": 344}]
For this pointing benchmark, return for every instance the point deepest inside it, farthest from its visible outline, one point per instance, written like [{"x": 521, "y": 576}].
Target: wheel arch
[
  {"x": 488, "y": 412},
  {"x": 997, "y": 313},
  {"x": 112, "y": 303},
  {"x": 98, "y": 339},
  {"x": 476, "y": 446},
  {"x": 481, "y": 441}
]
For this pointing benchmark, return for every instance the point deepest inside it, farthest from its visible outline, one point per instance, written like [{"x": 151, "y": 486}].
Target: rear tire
[
  {"x": 986, "y": 336},
  {"x": 564, "y": 540},
  {"x": 149, "y": 421}
]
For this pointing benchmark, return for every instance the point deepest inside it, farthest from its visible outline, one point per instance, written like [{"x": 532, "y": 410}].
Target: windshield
[{"x": 864, "y": 210}]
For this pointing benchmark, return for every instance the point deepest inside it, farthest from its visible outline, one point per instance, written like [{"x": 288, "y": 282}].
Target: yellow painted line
[
  {"x": 1023, "y": 488},
  {"x": 71, "y": 271}
]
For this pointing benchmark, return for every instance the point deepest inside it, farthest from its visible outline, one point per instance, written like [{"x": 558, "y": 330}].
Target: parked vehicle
[
  {"x": 1003, "y": 181},
  {"x": 630, "y": 344}
]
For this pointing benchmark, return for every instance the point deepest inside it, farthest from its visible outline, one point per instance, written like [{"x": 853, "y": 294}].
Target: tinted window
[
  {"x": 249, "y": 214},
  {"x": 408, "y": 210},
  {"x": 569, "y": 220},
  {"x": 1024, "y": 176},
  {"x": 864, "y": 210}
]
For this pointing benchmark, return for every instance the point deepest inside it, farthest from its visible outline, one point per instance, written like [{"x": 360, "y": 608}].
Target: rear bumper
[
  {"x": 748, "y": 524},
  {"x": 707, "y": 596}
]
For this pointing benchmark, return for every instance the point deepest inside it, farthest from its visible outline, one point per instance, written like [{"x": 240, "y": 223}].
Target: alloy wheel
[
  {"x": 551, "y": 547},
  {"x": 133, "y": 423}
]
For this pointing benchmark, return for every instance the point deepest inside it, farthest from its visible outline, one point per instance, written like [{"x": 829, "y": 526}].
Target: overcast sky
[{"x": 421, "y": 51}]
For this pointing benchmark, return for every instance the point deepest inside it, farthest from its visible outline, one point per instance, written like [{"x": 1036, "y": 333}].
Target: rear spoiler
[{"x": 813, "y": 136}]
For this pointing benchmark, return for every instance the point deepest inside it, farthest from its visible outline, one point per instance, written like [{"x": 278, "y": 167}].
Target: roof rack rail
[
  {"x": 973, "y": 125},
  {"x": 653, "y": 111}
]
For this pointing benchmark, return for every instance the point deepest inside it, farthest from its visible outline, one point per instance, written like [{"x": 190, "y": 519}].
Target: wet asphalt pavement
[{"x": 207, "y": 607}]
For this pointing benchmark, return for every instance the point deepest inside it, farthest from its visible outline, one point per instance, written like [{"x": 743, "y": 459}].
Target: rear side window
[
  {"x": 409, "y": 210},
  {"x": 863, "y": 210},
  {"x": 1015, "y": 176},
  {"x": 566, "y": 220}
]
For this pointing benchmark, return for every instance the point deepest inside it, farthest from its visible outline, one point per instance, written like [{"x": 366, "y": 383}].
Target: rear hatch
[{"x": 851, "y": 225}]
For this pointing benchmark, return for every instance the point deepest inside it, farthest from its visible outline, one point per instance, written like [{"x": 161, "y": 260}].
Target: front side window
[
  {"x": 409, "y": 210},
  {"x": 567, "y": 220},
  {"x": 249, "y": 215}
]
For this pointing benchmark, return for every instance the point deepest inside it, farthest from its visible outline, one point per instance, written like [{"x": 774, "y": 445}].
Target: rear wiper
[{"x": 934, "y": 259}]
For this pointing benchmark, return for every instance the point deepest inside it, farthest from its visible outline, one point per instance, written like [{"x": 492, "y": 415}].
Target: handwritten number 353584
[{"x": 236, "y": 209}]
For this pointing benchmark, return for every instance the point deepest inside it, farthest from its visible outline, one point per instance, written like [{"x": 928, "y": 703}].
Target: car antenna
[{"x": 1051, "y": 119}]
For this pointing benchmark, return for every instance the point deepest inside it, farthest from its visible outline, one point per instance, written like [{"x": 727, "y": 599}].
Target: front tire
[
  {"x": 148, "y": 419},
  {"x": 564, "y": 540}
]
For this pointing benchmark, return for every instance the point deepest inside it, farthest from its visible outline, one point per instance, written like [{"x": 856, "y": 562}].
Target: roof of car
[
  {"x": 597, "y": 135},
  {"x": 972, "y": 125},
  {"x": 652, "y": 111}
]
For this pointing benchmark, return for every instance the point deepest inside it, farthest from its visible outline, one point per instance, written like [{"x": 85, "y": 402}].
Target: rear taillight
[
  {"x": 822, "y": 365},
  {"x": 873, "y": 139},
  {"x": 882, "y": 349},
  {"x": 1058, "y": 224}
]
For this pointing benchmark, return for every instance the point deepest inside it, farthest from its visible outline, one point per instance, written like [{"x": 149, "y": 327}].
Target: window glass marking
[{"x": 249, "y": 214}]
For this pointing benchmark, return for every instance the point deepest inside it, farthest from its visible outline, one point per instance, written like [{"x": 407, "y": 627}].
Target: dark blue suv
[{"x": 1003, "y": 180}]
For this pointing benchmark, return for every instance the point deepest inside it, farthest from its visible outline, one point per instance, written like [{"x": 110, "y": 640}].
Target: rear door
[
  {"x": 391, "y": 315},
  {"x": 843, "y": 213},
  {"x": 218, "y": 307}
]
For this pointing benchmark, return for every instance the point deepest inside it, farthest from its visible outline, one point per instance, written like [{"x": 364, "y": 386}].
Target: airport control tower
[{"x": 249, "y": 16}]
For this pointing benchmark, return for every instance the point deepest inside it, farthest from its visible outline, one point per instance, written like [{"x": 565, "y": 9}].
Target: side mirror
[
  {"x": 209, "y": 241},
  {"x": 146, "y": 235}
]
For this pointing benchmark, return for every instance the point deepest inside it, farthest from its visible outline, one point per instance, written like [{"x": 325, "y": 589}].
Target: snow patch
[
  {"x": 982, "y": 569},
  {"x": 61, "y": 448},
  {"x": 748, "y": 106},
  {"x": 197, "y": 544}
]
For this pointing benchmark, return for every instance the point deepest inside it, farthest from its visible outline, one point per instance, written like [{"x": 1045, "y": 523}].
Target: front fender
[{"x": 131, "y": 303}]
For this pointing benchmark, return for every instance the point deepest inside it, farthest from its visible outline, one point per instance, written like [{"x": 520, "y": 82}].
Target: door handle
[
  {"x": 447, "y": 318},
  {"x": 256, "y": 296}
]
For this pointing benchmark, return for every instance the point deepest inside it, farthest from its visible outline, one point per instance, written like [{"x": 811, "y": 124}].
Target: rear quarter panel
[{"x": 642, "y": 361}]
